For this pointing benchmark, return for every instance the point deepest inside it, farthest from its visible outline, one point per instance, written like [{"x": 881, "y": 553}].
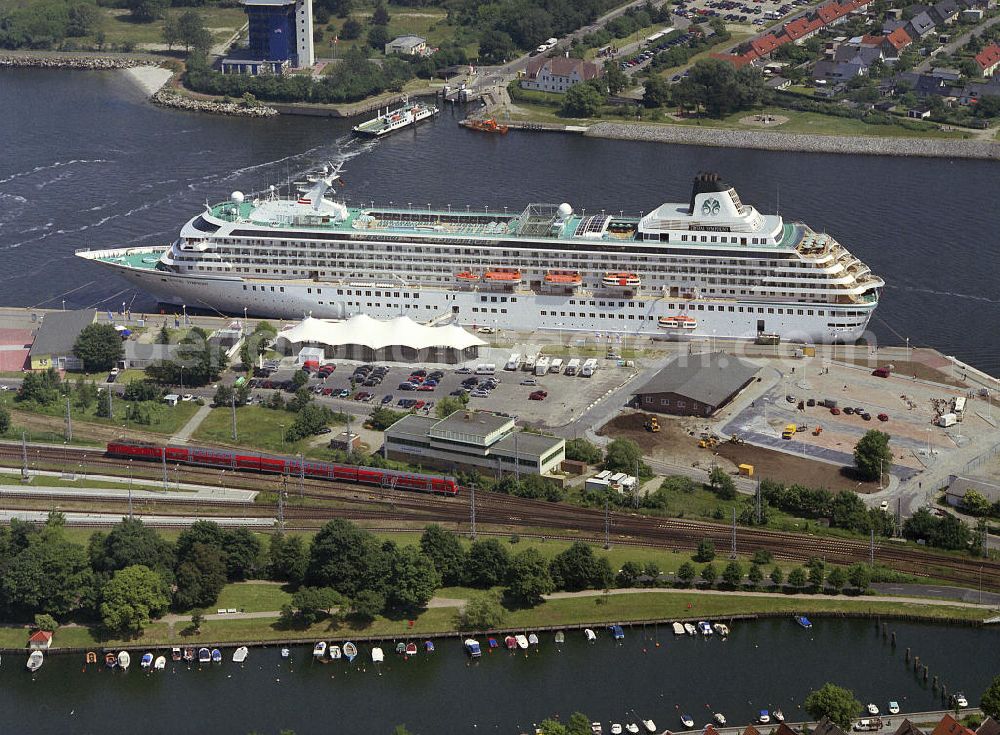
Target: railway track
[{"x": 514, "y": 513}]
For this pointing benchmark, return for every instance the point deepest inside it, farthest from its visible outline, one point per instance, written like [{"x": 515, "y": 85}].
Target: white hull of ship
[{"x": 283, "y": 299}]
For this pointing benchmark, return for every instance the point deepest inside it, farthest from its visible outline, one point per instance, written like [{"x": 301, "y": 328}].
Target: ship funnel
[{"x": 705, "y": 183}]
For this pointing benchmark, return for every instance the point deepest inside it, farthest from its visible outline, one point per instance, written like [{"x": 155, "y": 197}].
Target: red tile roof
[
  {"x": 950, "y": 726},
  {"x": 737, "y": 60},
  {"x": 829, "y": 12},
  {"x": 989, "y": 56},
  {"x": 801, "y": 27},
  {"x": 765, "y": 44},
  {"x": 869, "y": 40},
  {"x": 899, "y": 39},
  {"x": 40, "y": 636}
]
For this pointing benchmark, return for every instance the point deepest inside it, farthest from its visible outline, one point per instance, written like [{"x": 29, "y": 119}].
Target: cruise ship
[{"x": 709, "y": 267}]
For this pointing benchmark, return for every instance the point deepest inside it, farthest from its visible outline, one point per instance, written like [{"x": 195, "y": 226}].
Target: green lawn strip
[
  {"x": 258, "y": 428},
  {"x": 81, "y": 636},
  {"x": 251, "y": 597},
  {"x": 168, "y": 420},
  {"x": 118, "y": 27},
  {"x": 49, "y": 481}
]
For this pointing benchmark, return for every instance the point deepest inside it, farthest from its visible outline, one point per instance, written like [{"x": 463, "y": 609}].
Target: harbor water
[{"x": 651, "y": 674}]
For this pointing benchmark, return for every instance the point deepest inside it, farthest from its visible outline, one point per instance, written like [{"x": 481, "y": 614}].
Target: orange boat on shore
[{"x": 489, "y": 125}]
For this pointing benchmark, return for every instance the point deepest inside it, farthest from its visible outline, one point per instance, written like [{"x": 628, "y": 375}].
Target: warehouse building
[
  {"x": 696, "y": 385},
  {"x": 370, "y": 340},
  {"x": 466, "y": 440}
]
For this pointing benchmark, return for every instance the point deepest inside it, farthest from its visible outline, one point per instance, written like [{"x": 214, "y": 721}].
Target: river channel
[
  {"x": 762, "y": 665},
  {"x": 89, "y": 163}
]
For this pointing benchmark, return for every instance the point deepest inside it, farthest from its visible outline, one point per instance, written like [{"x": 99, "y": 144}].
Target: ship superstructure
[{"x": 709, "y": 266}]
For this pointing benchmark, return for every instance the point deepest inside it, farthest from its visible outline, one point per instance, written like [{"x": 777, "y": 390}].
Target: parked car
[
  {"x": 848, "y": 410},
  {"x": 464, "y": 371},
  {"x": 883, "y": 417},
  {"x": 407, "y": 386},
  {"x": 480, "y": 394},
  {"x": 425, "y": 387},
  {"x": 387, "y": 399},
  {"x": 343, "y": 393},
  {"x": 538, "y": 395},
  {"x": 324, "y": 430},
  {"x": 529, "y": 381},
  {"x": 835, "y": 411}
]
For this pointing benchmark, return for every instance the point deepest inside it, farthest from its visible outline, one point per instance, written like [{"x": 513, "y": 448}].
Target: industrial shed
[
  {"x": 370, "y": 340},
  {"x": 696, "y": 385}
]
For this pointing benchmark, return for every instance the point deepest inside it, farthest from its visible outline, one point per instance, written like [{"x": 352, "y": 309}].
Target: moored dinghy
[
  {"x": 216, "y": 656},
  {"x": 649, "y": 725},
  {"x": 350, "y": 651},
  {"x": 560, "y": 637},
  {"x": 778, "y": 715},
  {"x": 631, "y": 727},
  {"x": 532, "y": 639},
  {"x": 124, "y": 660},
  {"x": 617, "y": 632},
  {"x": 687, "y": 720},
  {"x": 35, "y": 661},
  {"x": 160, "y": 663},
  {"x": 720, "y": 719},
  {"x": 204, "y": 656},
  {"x": 378, "y": 656},
  {"x": 110, "y": 660},
  {"x": 334, "y": 652},
  {"x": 146, "y": 661},
  {"x": 591, "y": 635},
  {"x": 429, "y": 646},
  {"x": 411, "y": 649},
  {"x": 690, "y": 629},
  {"x": 616, "y": 728},
  {"x": 472, "y": 647},
  {"x": 189, "y": 654},
  {"x": 175, "y": 654},
  {"x": 522, "y": 641},
  {"x": 678, "y": 629},
  {"x": 511, "y": 642},
  {"x": 285, "y": 652},
  {"x": 319, "y": 649},
  {"x": 401, "y": 648},
  {"x": 240, "y": 654}
]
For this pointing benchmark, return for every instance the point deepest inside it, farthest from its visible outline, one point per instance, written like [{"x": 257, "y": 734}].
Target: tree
[
  {"x": 797, "y": 578},
  {"x": 487, "y": 564},
  {"x": 84, "y": 19},
  {"x": 312, "y": 604},
  {"x": 146, "y": 11},
  {"x": 448, "y": 405},
  {"x": 287, "y": 559},
  {"x": 44, "y": 621},
  {"x": 200, "y": 577},
  {"x": 628, "y": 574},
  {"x": 975, "y": 503},
  {"x": 49, "y": 575},
  {"x": 380, "y": 17},
  {"x": 581, "y": 100},
  {"x": 310, "y": 419},
  {"x": 4, "y": 420},
  {"x": 366, "y": 604},
  {"x": 859, "y": 576},
  {"x": 686, "y": 573},
  {"x": 132, "y": 599},
  {"x": 552, "y": 727},
  {"x": 614, "y": 78},
  {"x": 131, "y": 543},
  {"x": 42, "y": 388},
  {"x": 577, "y": 568},
  {"x": 99, "y": 346},
  {"x": 445, "y": 552},
  {"x": 351, "y": 29},
  {"x": 755, "y": 575},
  {"x": 777, "y": 576},
  {"x": 414, "y": 579},
  {"x": 529, "y": 578},
  {"x": 495, "y": 47},
  {"x": 817, "y": 574},
  {"x": 348, "y": 559},
  {"x": 171, "y": 37},
  {"x": 578, "y": 724},
  {"x": 709, "y": 573},
  {"x": 623, "y": 455},
  {"x": 657, "y": 92},
  {"x": 482, "y": 611},
  {"x": 705, "y": 550},
  {"x": 582, "y": 450},
  {"x": 378, "y": 37},
  {"x": 732, "y": 575},
  {"x": 719, "y": 88},
  {"x": 872, "y": 454},
  {"x": 243, "y": 552},
  {"x": 721, "y": 483},
  {"x": 990, "y": 702},
  {"x": 833, "y": 702},
  {"x": 837, "y": 578}
]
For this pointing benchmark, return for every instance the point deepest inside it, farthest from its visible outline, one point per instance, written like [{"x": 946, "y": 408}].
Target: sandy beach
[{"x": 149, "y": 78}]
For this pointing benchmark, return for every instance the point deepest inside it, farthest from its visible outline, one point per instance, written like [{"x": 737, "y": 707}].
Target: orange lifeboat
[
  {"x": 563, "y": 278},
  {"x": 503, "y": 275},
  {"x": 680, "y": 321},
  {"x": 489, "y": 125},
  {"x": 467, "y": 276},
  {"x": 621, "y": 280}
]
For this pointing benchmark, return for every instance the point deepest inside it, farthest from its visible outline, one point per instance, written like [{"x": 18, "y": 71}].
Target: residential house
[
  {"x": 40, "y": 640},
  {"x": 919, "y": 113},
  {"x": 989, "y": 727},
  {"x": 836, "y": 71},
  {"x": 825, "y": 727},
  {"x": 972, "y": 15},
  {"x": 908, "y": 728},
  {"x": 765, "y": 45},
  {"x": 989, "y": 59},
  {"x": 53, "y": 345},
  {"x": 950, "y": 726},
  {"x": 558, "y": 74},
  {"x": 920, "y": 25},
  {"x": 800, "y": 29},
  {"x": 945, "y": 12},
  {"x": 864, "y": 55},
  {"x": 891, "y": 24},
  {"x": 948, "y": 75},
  {"x": 406, "y": 46},
  {"x": 14, "y": 347},
  {"x": 777, "y": 82},
  {"x": 894, "y": 42}
]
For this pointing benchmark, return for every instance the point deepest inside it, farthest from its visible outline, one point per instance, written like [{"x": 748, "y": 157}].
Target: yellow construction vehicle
[{"x": 652, "y": 424}]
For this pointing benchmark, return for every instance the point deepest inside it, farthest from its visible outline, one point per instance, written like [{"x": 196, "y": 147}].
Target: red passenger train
[{"x": 237, "y": 460}]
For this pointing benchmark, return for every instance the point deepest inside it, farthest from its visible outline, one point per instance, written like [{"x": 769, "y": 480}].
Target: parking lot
[
  {"x": 558, "y": 397},
  {"x": 751, "y": 13}
]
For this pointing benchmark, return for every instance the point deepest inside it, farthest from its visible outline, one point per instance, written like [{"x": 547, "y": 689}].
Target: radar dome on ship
[
  {"x": 564, "y": 210},
  {"x": 237, "y": 197}
]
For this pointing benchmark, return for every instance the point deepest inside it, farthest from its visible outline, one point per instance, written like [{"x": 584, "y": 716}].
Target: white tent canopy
[{"x": 374, "y": 334}]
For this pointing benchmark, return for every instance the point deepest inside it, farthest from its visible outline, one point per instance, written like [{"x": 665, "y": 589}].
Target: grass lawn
[
  {"x": 251, "y": 597},
  {"x": 83, "y": 637},
  {"x": 257, "y": 427},
  {"x": 119, "y": 28},
  {"x": 168, "y": 420},
  {"x": 427, "y": 22}
]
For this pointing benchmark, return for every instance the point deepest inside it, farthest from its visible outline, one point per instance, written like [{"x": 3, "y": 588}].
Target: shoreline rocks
[
  {"x": 169, "y": 98},
  {"x": 777, "y": 141},
  {"x": 71, "y": 62}
]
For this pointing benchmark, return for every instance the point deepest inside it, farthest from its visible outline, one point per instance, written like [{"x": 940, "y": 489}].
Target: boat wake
[
  {"x": 948, "y": 294},
  {"x": 57, "y": 164}
]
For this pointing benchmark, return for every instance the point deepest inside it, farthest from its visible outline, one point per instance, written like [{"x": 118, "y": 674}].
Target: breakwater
[
  {"x": 56, "y": 60},
  {"x": 170, "y": 98},
  {"x": 778, "y": 141}
]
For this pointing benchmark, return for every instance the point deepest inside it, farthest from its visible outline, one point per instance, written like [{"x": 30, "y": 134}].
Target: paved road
[
  {"x": 110, "y": 519},
  {"x": 215, "y": 495},
  {"x": 959, "y": 594},
  {"x": 182, "y": 436}
]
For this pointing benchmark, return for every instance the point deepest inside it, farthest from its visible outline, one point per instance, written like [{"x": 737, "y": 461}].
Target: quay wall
[{"x": 778, "y": 141}]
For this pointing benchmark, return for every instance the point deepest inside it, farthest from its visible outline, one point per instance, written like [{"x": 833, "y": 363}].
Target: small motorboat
[
  {"x": 893, "y": 707},
  {"x": 240, "y": 654},
  {"x": 319, "y": 650},
  {"x": 778, "y": 715},
  {"x": 334, "y": 652},
  {"x": 511, "y": 642},
  {"x": 411, "y": 649},
  {"x": 378, "y": 656},
  {"x": 720, "y": 719},
  {"x": 721, "y": 629},
  {"x": 204, "y": 656},
  {"x": 401, "y": 648},
  {"x": 35, "y": 661},
  {"x": 175, "y": 654},
  {"x": 532, "y": 639},
  {"x": 763, "y": 717},
  {"x": 649, "y": 725},
  {"x": 189, "y": 654},
  {"x": 704, "y": 628},
  {"x": 596, "y": 728},
  {"x": 147, "y": 660},
  {"x": 591, "y": 635},
  {"x": 110, "y": 660},
  {"x": 472, "y": 648},
  {"x": 91, "y": 657},
  {"x": 560, "y": 637},
  {"x": 960, "y": 700},
  {"x": 690, "y": 629},
  {"x": 216, "y": 656},
  {"x": 803, "y": 621},
  {"x": 522, "y": 641},
  {"x": 687, "y": 720},
  {"x": 872, "y": 708},
  {"x": 124, "y": 660},
  {"x": 285, "y": 653},
  {"x": 631, "y": 727},
  {"x": 350, "y": 651},
  {"x": 492, "y": 642},
  {"x": 616, "y": 728},
  {"x": 617, "y": 632},
  {"x": 429, "y": 646},
  {"x": 678, "y": 629},
  {"x": 160, "y": 663}
]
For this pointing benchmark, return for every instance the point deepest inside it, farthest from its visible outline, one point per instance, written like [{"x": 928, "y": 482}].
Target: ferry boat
[
  {"x": 737, "y": 272},
  {"x": 402, "y": 117}
]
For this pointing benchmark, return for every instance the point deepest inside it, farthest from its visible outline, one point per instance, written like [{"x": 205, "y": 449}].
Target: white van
[
  {"x": 486, "y": 369},
  {"x": 541, "y": 365},
  {"x": 513, "y": 362},
  {"x": 589, "y": 368},
  {"x": 573, "y": 366},
  {"x": 556, "y": 365}
]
